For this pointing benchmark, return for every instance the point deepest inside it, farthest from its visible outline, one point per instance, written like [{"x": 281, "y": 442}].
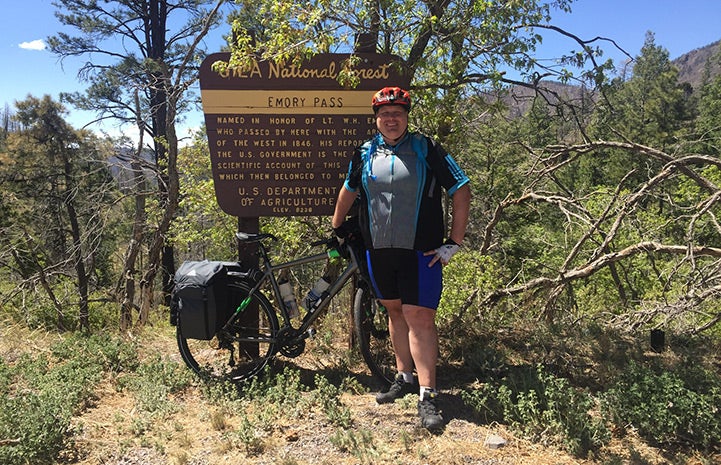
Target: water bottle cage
[
  {"x": 317, "y": 301},
  {"x": 323, "y": 296}
]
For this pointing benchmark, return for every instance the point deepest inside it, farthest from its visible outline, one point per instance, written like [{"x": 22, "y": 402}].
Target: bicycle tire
[
  {"x": 225, "y": 357},
  {"x": 371, "y": 331}
]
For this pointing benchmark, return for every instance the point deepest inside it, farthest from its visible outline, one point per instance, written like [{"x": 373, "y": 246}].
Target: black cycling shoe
[
  {"x": 398, "y": 390},
  {"x": 431, "y": 419}
]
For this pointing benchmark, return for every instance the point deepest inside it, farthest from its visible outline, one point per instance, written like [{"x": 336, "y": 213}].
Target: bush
[
  {"x": 667, "y": 408},
  {"x": 112, "y": 354},
  {"x": 40, "y": 394},
  {"x": 543, "y": 408},
  {"x": 153, "y": 383},
  {"x": 36, "y": 412},
  {"x": 283, "y": 389},
  {"x": 37, "y": 425},
  {"x": 469, "y": 273}
]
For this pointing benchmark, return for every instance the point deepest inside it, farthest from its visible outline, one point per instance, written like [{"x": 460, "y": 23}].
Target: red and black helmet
[{"x": 391, "y": 96}]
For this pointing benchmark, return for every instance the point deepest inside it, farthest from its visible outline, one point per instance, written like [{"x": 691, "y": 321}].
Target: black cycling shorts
[{"x": 404, "y": 274}]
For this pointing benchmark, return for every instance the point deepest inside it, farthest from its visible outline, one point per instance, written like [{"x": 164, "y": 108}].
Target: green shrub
[
  {"x": 282, "y": 389},
  {"x": 37, "y": 424},
  {"x": 111, "y": 353},
  {"x": 543, "y": 408},
  {"x": 41, "y": 393},
  {"x": 170, "y": 375},
  {"x": 5, "y": 378},
  {"x": 36, "y": 412},
  {"x": 667, "y": 408},
  {"x": 327, "y": 397},
  {"x": 484, "y": 402},
  {"x": 153, "y": 383},
  {"x": 470, "y": 273},
  {"x": 359, "y": 444}
]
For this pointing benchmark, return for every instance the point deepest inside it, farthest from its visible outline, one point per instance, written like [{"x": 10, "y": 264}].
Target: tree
[
  {"x": 652, "y": 107},
  {"x": 58, "y": 188},
  {"x": 7, "y": 123},
  {"x": 144, "y": 55},
  {"x": 464, "y": 60},
  {"x": 709, "y": 120},
  {"x": 203, "y": 230},
  {"x": 454, "y": 52}
]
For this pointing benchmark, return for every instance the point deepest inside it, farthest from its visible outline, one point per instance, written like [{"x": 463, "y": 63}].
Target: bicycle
[{"x": 243, "y": 347}]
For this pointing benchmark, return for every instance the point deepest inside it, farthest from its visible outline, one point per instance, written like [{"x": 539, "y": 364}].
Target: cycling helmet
[{"x": 391, "y": 96}]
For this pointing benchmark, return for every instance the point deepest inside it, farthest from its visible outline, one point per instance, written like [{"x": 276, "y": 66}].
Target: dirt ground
[
  {"x": 189, "y": 437},
  {"x": 113, "y": 430},
  {"x": 380, "y": 434}
]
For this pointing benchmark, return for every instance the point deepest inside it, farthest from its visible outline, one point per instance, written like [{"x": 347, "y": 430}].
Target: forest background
[{"x": 594, "y": 217}]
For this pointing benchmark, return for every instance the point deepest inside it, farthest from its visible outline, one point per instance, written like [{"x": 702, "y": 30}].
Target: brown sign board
[{"x": 281, "y": 136}]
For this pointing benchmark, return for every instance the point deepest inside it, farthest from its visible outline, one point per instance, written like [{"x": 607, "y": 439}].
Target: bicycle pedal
[{"x": 310, "y": 332}]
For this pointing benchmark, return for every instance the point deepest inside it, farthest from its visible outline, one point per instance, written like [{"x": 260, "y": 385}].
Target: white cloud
[{"x": 33, "y": 45}]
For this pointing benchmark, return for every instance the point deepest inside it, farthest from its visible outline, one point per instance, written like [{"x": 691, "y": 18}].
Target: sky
[{"x": 679, "y": 26}]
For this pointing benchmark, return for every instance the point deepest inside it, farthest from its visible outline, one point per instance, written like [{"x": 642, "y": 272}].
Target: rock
[{"x": 494, "y": 441}]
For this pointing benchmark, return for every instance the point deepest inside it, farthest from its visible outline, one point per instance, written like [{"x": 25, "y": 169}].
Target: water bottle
[
  {"x": 314, "y": 295},
  {"x": 286, "y": 292}
]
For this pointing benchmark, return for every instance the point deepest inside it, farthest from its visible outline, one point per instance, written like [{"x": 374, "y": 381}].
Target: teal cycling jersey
[{"x": 400, "y": 190}]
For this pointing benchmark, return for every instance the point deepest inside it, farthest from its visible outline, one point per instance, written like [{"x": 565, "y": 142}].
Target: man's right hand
[{"x": 342, "y": 232}]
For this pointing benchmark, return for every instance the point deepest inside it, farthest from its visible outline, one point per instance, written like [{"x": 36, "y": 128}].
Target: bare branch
[{"x": 598, "y": 264}]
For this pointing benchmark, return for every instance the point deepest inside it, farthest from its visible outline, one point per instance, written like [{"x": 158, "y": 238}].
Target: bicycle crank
[{"x": 291, "y": 343}]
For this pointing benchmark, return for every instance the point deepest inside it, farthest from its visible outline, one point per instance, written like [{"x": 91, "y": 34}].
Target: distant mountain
[{"x": 692, "y": 65}]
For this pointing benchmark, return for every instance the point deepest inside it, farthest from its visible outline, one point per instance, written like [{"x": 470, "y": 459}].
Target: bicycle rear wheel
[
  {"x": 371, "y": 330},
  {"x": 241, "y": 352}
]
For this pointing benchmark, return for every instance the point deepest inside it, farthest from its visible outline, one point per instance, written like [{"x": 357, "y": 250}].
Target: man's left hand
[{"x": 443, "y": 253}]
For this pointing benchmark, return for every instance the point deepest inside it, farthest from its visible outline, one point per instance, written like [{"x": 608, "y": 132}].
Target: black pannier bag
[{"x": 199, "y": 298}]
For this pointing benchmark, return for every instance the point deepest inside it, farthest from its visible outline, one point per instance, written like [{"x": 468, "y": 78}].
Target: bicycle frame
[{"x": 269, "y": 270}]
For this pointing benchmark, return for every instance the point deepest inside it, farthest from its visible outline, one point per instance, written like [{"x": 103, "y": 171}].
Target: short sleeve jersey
[{"x": 400, "y": 190}]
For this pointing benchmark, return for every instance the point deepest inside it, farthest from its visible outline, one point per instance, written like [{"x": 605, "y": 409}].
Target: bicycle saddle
[{"x": 253, "y": 237}]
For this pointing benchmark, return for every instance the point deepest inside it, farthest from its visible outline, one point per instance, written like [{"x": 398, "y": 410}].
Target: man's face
[{"x": 392, "y": 121}]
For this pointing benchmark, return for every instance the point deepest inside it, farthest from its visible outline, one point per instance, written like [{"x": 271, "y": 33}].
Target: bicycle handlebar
[{"x": 330, "y": 241}]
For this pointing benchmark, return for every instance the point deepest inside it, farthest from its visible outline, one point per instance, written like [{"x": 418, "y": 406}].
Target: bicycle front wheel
[
  {"x": 242, "y": 351},
  {"x": 373, "y": 336}
]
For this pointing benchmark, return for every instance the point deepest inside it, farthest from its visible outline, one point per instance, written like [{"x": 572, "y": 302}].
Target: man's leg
[
  {"x": 398, "y": 329},
  {"x": 403, "y": 383},
  {"x": 423, "y": 342}
]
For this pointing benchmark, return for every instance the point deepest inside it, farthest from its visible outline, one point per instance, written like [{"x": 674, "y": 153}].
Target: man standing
[{"x": 399, "y": 176}]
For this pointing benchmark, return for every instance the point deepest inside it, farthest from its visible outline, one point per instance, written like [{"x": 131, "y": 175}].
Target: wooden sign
[{"x": 281, "y": 136}]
